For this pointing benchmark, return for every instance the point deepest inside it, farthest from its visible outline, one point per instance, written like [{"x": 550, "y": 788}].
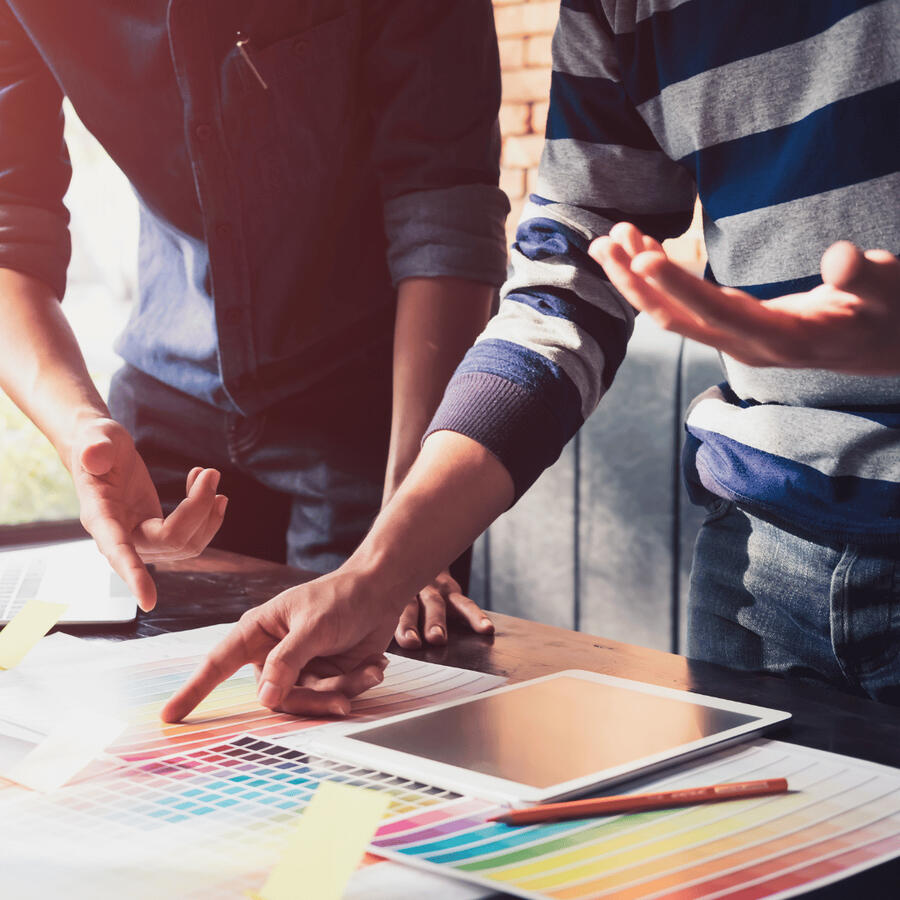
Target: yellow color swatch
[
  {"x": 29, "y": 625},
  {"x": 327, "y": 844}
]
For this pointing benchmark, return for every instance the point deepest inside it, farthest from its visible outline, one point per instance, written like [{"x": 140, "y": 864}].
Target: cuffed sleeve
[
  {"x": 433, "y": 78},
  {"x": 515, "y": 424},
  {"x": 544, "y": 362},
  {"x": 34, "y": 163},
  {"x": 456, "y": 231}
]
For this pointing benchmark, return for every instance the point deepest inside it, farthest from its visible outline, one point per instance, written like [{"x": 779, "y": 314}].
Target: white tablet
[
  {"x": 74, "y": 573},
  {"x": 549, "y": 738}
]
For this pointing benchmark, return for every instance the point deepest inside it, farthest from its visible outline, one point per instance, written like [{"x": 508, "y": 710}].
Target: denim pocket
[{"x": 288, "y": 111}]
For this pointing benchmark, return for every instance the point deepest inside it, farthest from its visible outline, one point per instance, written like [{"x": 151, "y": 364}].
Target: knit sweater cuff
[{"x": 506, "y": 419}]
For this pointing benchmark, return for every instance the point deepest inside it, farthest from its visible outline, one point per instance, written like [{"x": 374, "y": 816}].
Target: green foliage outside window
[{"x": 34, "y": 484}]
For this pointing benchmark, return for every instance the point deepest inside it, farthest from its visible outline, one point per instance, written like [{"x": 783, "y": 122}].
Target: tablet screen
[{"x": 549, "y": 732}]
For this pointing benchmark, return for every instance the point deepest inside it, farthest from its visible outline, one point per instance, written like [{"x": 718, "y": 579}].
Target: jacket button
[
  {"x": 232, "y": 316},
  {"x": 223, "y": 230},
  {"x": 203, "y": 131},
  {"x": 299, "y": 46}
]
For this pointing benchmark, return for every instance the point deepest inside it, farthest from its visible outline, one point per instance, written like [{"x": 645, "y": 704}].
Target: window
[{"x": 34, "y": 485}]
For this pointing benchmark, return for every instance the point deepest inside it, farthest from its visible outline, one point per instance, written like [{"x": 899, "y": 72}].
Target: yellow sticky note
[
  {"x": 326, "y": 846},
  {"x": 78, "y": 738},
  {"x": 29, "y": 625}
]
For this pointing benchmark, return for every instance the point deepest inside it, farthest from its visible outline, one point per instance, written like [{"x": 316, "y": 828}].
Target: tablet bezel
[{"x": 466, "y": 781}]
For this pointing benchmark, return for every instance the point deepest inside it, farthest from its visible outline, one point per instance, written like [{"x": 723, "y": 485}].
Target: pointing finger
[
  {"x": 115, "y": 544},
  {"x": 131, "y": 569},
  {"x": 243, "y": 644}
]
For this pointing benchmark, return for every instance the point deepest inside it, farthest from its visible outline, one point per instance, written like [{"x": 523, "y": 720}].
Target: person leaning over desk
[
  {"x": 788, "y": 129},
  {"x": 316, "y": 180}
]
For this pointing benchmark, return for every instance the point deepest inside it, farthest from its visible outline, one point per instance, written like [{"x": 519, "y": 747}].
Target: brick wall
[{"x": 525, "y": 30}]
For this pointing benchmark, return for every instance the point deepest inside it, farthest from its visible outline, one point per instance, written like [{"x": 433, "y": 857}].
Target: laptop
[{"x": 72, "y": 572}]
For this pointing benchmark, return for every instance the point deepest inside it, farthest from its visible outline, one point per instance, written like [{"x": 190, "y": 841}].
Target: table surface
[{"x": 217, "y": 587}]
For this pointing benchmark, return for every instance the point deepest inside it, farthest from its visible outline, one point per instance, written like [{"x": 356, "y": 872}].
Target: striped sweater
[{"x": 784, "y": 118}]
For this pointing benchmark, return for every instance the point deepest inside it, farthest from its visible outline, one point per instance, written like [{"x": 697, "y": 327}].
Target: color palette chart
[
  {"x": 233, "y": 709},
  {"x": 132, "y": 681},
  {"x": 203, "y": 809},
  {"x": 205, "y": 823},
  {"x": 841, "y": 815}
]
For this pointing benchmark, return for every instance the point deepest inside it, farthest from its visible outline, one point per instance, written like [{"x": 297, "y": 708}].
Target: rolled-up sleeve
[
  {"x": 34, "y": 162},
  {"x": 544, "y": 362},
  {"x": 433, "y": 77}
]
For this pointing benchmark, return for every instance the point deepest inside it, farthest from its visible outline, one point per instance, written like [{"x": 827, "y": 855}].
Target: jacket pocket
[{"x": 287, "y": 106}]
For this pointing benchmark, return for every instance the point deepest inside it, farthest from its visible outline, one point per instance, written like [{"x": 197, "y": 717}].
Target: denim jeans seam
[
  {"x": 840, "y": 611},
  {"x": 873, "y": 666}
]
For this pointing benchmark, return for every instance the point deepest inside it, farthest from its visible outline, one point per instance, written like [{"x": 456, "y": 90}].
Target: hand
[
  {"x": 849, "y": 324},
  {"x": 314, "y": 647},
  {"x": 432, "y": 604},
  {"x": 120, "y": 508}
]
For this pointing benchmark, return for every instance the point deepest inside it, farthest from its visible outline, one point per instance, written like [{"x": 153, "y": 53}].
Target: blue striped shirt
[{"x": 784, "y": 118}]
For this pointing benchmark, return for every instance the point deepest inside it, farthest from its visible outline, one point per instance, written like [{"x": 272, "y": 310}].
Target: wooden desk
[{"x": 218, "y": 587}]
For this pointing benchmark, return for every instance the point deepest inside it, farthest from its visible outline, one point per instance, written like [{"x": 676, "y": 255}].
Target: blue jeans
[
  {"x": 304, "y": 477},
  {"x": 767, "y": 600}
]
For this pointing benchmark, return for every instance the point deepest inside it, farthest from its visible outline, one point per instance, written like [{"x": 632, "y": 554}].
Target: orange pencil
[{"x": 625, "y": 803}]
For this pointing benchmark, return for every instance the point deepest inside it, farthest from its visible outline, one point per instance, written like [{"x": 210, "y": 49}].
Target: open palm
[
  {"x": 850, "y": 323},
  {"x": 120, "y": 507}
]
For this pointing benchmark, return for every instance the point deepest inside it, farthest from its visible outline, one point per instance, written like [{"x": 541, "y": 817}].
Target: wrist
[
  {"x": 377, "y": 580},
  {"x": 80, "y": 419}
]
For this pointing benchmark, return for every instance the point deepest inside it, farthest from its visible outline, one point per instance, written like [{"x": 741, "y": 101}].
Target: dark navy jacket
[{"x": 283, "y": 193}]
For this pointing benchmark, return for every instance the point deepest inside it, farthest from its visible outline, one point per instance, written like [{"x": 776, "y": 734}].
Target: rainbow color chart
[
  {"x": 203, "y": 810},
  {"x": 210, "y": 822},
  {"x": 207, "y": 823},
  {"x": 232, "y": 709},
  {"x": 841, "y": 815},
  {"x": 132, "y": 681}
]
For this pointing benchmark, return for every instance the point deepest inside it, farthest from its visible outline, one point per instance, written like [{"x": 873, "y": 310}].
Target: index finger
[
  {"x": 115, "y": 544},
  {"x": 236, "y": 650}
]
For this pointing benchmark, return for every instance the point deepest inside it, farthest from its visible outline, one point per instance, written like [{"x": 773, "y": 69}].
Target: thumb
[
  {"x": 847, "y": 268},
  {"x": 98, "y": 454}
]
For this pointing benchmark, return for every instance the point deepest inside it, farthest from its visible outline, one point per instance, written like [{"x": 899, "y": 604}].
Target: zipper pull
[{"x": 241, "y": 45}]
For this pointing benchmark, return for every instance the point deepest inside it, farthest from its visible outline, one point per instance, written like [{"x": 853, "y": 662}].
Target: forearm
[
  {"x": 41, "y": 366},
  {"x": 437, "y": 320},
  {"x": 453, "y": 492}
]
